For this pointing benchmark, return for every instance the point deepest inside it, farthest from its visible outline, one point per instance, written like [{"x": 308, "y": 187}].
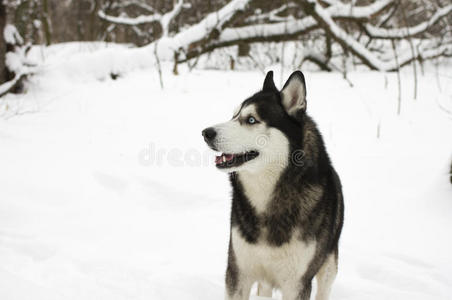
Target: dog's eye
[{"x": 251, "y": 120}]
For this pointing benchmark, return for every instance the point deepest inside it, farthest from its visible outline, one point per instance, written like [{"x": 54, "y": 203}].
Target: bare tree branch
[
  {"x": 327, "y": 23},
  {"x": 137, "y": 3},
  {"x": 272, "y": 16},
  {"x": 288, "y": 30},
  {"x": 9, "y": 86},
  {"x": 125, "y": 20},
  {"x": 163, "y": 19},
  {"x": 405, "y": 32}
]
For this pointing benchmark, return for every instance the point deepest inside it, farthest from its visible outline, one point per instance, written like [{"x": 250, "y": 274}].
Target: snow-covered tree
[
  {"x": 383, "y": 35},
  {"x": 2, "y": 43},
  {"x": 363, "y": 29}
]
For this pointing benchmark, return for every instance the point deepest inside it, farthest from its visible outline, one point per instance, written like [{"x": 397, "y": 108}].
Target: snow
[
  {"x": 11, "y": 35},
  {"x": 109, "y": 192},
  {"x": 16, "y": 61}
]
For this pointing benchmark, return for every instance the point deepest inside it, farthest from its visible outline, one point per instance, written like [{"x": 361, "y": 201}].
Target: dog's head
[{"x": 262, "y": 129}]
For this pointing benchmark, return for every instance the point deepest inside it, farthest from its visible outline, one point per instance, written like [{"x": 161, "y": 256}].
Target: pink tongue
[
  {"x": 229, "y": 156},
  {"x": 219, "y": 159}
]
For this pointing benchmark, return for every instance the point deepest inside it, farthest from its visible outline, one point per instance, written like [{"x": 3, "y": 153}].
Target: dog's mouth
[{"x": 226, "y": 160}]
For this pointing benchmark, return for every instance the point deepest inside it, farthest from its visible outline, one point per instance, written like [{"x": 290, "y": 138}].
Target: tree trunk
[
  {"x": 2, "y": 43},
  {"x": 450, "y": 172},
  {"x": 93, "y": 21},
  {"x": 46, "y": 23}
]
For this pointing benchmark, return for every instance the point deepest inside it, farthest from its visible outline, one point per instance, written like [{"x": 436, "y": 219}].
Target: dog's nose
[{"x": 209, "y": 134}]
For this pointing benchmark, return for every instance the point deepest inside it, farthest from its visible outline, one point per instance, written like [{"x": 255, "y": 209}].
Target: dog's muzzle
[{"x": 226, "y": 160}]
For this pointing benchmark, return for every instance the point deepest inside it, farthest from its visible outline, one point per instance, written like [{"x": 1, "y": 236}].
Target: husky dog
[{"x": 287, "y": 205}]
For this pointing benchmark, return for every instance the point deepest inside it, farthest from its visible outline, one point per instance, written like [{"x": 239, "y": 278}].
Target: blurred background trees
[
  {"x": 382, "y": 35},
  {"x": 56, "y": 21},
  {"x": 2, "y": 43}
]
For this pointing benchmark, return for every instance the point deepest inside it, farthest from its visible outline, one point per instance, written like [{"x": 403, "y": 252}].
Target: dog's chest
[
  {"x": 274, "y": 264},
  {"x": 259, "y": 188}
]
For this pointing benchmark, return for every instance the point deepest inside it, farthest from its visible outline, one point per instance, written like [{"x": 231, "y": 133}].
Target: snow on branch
[
  {"x": 404, "y": 32},
  {"x": 335, "y": 21},
  {"x": 140, "y": 4},
  {"x": 123, "y": 19},
  {"x": 292, "y": 28},
  {"x": 424, "y": 53},
  {"x": 8, "y": 86},
  {"x": 167, "y": 18},
  {"x": 272, "y": 15},
  {"x": 211, "y": 33},
  {"x": 325, "y": 20},
  {"x": 212, "y": 22},
  {"x": 163, "y": 19},
  {"x": 358, "y": 12},
  {"x": 16, "y": 60},
  {"x": 12, "y": 36},
  {"x": 327, "y": 23}
]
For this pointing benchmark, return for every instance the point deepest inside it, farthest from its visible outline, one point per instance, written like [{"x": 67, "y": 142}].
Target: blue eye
[{"x": 251, "y": 120}]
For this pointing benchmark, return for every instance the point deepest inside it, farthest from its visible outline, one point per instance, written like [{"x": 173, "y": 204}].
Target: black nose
[{"x": 209, "y": 134}]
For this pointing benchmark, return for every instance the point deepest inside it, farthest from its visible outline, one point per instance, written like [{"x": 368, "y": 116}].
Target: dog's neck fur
[{"x": 259, "y": 186}]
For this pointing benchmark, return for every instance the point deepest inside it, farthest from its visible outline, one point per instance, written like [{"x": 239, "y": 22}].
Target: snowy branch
[
  {"x": 8, "y": 86},
  {"x": 16, "y": 60},
  {"x": 289, "y": 29},
  {"x": 163, "y": 19},
  {"x": 272, "y": 16},
  {"x": 325, "y": 20},
  {"x": 167, "y": 18},
  {"x": 125, "y": 20},
  {"x": 425, "y": 53},
  {"x": 194, "y": 37},
  {"x": 236, "y": 24},
  {"x": 327, "y": 23},
  {"x": 404, "y": 32},
  {"x": 140, "y": 4},
  {"x": 317, "y": 58}
]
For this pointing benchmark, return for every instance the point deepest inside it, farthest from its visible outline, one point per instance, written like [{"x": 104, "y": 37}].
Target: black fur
[
  {"x": 308, "y": 196},
  {"x": 232, "y": 276}
]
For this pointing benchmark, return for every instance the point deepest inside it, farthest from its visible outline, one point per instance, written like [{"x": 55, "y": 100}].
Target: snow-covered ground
[{"x": 107, "y": 190}]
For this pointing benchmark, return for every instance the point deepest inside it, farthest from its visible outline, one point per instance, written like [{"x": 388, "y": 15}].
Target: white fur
[
  {"x": 260, "y": 175},
  {"x": 325, "y": 277},
  {"x": 264, "y": 290},
  {"x": 235, "y": 138},
  {"x": 280, "y": 267},
  {"x": 272, "y": 145},
  {"x": 259, "y": 188}
]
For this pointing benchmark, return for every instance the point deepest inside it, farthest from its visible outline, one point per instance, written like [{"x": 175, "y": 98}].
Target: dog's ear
[
  {"x": 269, "y": 84},
  {"x": 293, "y": 94}
]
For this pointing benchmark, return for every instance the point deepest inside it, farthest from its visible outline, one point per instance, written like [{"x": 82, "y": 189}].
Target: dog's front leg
[
  {"x": 300, "y": 290},
  {"x": 238, "y": 286},
  {"x": 264, "y": 290}
]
